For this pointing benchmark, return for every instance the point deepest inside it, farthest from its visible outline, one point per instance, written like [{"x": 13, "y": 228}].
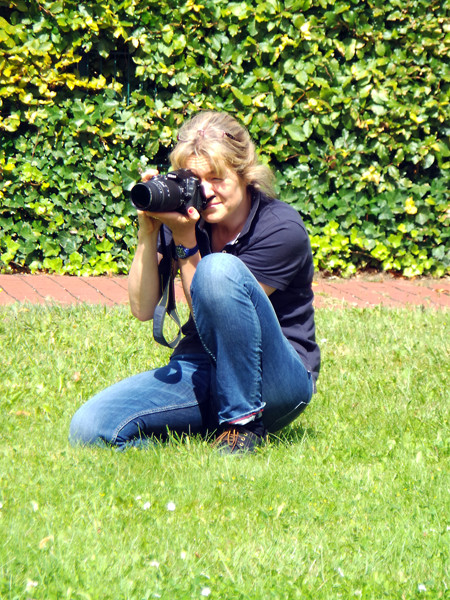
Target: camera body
[{"x": 178, "y": 190}]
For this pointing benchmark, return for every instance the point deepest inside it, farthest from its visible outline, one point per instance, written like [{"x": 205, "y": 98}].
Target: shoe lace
[{"x": 230, "y": 437}]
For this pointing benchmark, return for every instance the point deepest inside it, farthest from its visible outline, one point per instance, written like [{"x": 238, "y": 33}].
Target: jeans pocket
[
  {"x": 284, "y": 413},
  {"x": 286, "y": 418}
]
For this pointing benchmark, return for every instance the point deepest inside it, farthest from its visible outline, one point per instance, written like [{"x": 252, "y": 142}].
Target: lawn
[{"x": 352, "y": 501}]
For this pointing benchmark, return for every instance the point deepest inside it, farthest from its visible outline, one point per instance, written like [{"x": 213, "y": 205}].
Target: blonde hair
[{"x": 226, "y": 144}]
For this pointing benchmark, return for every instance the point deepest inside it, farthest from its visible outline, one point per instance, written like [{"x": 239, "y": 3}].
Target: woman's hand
[
  {"x": 147, "y": 223},
  {"x": 148, "y": 174},
  {"x": 182, "y": 225}
]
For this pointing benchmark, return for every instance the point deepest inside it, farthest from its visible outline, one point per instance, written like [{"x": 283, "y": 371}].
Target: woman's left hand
[{"x": 182, "y": 225}]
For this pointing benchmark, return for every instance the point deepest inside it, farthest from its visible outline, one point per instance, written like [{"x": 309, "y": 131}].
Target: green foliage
[{"x": 347, "y": 101}]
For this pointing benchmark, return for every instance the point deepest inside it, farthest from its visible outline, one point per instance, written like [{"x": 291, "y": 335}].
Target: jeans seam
[
  {"x": 259, "y": 372},
  {"x": 208, "y": 351}
]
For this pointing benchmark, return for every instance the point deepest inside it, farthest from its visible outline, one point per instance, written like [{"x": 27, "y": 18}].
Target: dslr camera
[{"x": 178, "y": 190}]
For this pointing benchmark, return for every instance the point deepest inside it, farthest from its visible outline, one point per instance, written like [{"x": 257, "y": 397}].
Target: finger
[
  {"x": 146, "y": 214},
  {"x": 149, "y": 174},
  {"x": 142, "y": 214},
  {"x": 193, "y": 214}
]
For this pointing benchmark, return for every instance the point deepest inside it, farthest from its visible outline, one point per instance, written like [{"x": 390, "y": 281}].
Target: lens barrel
[{"x": 157, "y": 195}]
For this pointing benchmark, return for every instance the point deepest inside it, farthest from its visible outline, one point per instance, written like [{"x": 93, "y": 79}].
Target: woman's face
[{"x": 228, "y": 200}]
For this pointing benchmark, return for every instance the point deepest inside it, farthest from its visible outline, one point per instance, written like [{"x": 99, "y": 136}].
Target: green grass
[{"x": 349, "y": 502}]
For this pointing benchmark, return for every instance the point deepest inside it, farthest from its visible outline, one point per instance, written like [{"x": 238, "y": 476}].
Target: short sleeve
[{"x": 277, "y": 251}]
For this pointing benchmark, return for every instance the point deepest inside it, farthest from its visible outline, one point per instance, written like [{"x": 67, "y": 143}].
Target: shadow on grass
[{"x": 293, "y": 435}]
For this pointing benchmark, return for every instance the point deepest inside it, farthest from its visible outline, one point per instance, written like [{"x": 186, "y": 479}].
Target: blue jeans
[{"x": 247, "y": 366}]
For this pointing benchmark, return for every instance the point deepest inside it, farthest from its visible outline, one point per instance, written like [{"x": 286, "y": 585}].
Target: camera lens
[{"x": 157, "y": 195}]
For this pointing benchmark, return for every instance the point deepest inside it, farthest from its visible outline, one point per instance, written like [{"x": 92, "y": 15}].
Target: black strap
[{"x": 167, "y": 304}]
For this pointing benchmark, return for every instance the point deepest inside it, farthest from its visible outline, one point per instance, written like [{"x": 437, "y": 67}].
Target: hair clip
[{"x": 208, "y": 134}]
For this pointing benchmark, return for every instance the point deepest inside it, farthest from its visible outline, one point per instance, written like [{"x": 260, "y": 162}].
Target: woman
[{"x": 248, "y": 361}]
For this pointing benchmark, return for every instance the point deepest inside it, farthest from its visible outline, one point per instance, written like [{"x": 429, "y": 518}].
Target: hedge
[{"x": 348, "y": 101}]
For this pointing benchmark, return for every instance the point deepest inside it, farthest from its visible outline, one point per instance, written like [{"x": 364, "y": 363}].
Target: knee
[
  {"x": 77, "y": 431},
  {"x": 84, "y": 429},
  {"x": 214, "y": 275},
  {"x": 216, "y": 264}
]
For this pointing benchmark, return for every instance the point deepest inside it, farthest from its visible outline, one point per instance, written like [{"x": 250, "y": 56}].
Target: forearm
[
  {"x": 144, "y": 282},
  {"x": 143, "y": 279},
  {"x": 187, "y": 268}
]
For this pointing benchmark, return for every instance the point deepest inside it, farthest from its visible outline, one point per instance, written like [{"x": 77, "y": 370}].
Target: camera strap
[{"x": 167, "y": 304}]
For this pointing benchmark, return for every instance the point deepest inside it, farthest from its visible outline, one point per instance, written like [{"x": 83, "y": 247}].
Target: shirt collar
[{"x": 256, "y": 200}]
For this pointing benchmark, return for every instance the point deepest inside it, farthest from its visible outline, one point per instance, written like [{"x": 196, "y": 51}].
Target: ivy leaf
[
  {"x": 307, "y": 129},
  {"x": 302, "y": 77},
  {"x": 296, "y": 132},
  {"x": 428, "y": 161},
  {"x": 11, "y": 246},
  {"x": 104, "y": 246},
  {"x": 245, "y": 99},
  {"x": 347, "y": 48}
]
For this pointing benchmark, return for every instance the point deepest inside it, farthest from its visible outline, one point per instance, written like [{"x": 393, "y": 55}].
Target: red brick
[{"x": 113, "y": 290}]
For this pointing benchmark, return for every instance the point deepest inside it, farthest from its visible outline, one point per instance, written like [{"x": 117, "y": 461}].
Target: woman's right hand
[
  {"x": 143, "y": 279},
  {"x": 148, "y": 224}
]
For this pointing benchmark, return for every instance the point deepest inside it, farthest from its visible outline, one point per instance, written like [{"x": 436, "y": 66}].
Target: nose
[{"x": 208, "y": 189}]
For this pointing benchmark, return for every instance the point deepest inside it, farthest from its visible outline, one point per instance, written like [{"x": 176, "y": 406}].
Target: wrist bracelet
[{"x": 183, "y": 252}]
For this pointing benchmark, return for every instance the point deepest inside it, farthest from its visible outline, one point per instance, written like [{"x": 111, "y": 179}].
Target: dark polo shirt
[{"x": 275, "y": 247}]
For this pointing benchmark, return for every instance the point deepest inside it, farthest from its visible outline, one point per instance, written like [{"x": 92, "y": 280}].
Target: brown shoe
[{"x": 236, "y": 439}]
